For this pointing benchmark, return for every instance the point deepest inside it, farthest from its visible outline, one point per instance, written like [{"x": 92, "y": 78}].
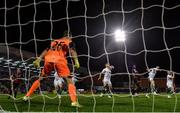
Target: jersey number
[{"x": 58, "y": 45}]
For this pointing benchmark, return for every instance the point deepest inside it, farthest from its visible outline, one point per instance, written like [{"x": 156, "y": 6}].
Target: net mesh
[{"x": 151, "y": 27}]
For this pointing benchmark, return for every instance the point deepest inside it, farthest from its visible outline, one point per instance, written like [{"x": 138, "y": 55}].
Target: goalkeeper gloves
[
  {"x": 76, "y": 63},
  {"x": 36, "y": 63}
]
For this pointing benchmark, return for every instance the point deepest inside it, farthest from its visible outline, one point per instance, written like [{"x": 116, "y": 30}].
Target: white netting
[{"x": 26, "y": 27}]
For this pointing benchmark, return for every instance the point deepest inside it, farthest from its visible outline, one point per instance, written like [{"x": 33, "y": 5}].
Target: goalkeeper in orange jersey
[{"x": 55, "y": 59}]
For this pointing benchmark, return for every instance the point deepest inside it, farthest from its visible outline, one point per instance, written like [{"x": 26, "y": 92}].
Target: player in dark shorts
[
  {"x": 135, "y": 79},
  {"x": 15, "y": 83}
]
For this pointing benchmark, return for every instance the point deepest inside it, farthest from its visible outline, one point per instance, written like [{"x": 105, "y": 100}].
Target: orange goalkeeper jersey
[{"x": 58, "y": 50}]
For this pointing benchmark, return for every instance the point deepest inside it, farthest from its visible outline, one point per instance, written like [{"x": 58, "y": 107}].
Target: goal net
[{"x": 150, "y": 38}]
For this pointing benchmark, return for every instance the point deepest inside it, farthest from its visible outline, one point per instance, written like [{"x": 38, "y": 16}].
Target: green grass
[{"x": 122, "y": 103}]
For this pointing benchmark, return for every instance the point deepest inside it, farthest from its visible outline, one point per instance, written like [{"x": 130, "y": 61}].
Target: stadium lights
[
  {"x": 17, "y": 62},
  {"x": 119, "y": 35},
  {"x": 14, "y": 64},
  {"x": 26, "y": 67},
  {"x": 12, "y": 67},
  {"x": 5, "y": 66},
  {"x": 21, "y": 66},
  {"x": 30, "y": 65},
  {"x": 33, "y": 68},
  {"x": 9, "y": 60},
  {"x": 24, "y": 63},
  {"x": 1, "y": 58},
  {"x": 7, "y": 63}
]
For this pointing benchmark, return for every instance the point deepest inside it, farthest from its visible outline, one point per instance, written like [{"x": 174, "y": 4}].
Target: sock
[
  {"x": 59, "y": 91},
  {"x": 35, "y": 85},
  {"x": 10, "y": 93},
  {"x": 15, "y": 94},
  {"x": 152, "y": 87},
  {"x": 110, "y": 92},
  {"x": 105, "y": 90},
  {"x": 72, "y": 92}
]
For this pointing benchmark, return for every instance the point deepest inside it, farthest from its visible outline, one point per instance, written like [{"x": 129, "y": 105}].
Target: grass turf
[{"x": 119, "y": 103}]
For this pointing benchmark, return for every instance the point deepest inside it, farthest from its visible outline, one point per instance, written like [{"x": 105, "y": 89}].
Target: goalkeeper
[{"x": 55, "y": 59}]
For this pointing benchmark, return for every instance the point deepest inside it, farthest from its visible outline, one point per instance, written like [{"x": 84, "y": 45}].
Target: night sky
[{"x": 92, "y": 23}]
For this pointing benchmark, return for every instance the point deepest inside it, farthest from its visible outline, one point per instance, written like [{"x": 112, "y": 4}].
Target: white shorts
[
  {"x": 58, "y": 82},
  {"x": 74, "y": 80},
  {"x": 150, "y": 79},
  {"x": 107, "y": 82},
  {"x": 169, "y": 85}
]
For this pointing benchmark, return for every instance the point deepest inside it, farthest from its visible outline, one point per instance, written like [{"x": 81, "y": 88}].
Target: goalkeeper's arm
[
  {"x": 74, "y": 56},
  {"x": 36, "y": 63}
]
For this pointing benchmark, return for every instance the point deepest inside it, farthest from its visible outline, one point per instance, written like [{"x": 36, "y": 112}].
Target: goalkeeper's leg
[
  {"x": 34, "y": 86},
  {"x": 63, "y": 71},
  {"x": 72, "y": 92},
  {"x": 48, "y": 67}
]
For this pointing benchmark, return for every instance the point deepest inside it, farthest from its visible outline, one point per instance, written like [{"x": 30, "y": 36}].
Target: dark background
[{"x": 152, "y": 28}]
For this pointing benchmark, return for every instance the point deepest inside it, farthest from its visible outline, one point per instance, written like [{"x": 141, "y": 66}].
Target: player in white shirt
[
  {"x": 58, "y": 84},
  {"x": 152, "y": 73},
  {"x": 170, "y": 83},
  {"x": 107, "y": 79}
]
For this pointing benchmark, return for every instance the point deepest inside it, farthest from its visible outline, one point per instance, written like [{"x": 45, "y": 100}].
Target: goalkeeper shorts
[{"x": 60, "y": 67}]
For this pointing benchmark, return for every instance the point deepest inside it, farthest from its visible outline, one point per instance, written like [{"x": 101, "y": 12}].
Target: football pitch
[{"x": 95, "y": 103}]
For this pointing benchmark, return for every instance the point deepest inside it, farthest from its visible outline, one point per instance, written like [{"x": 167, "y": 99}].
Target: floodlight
[{"x": 119, "y": 35}]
